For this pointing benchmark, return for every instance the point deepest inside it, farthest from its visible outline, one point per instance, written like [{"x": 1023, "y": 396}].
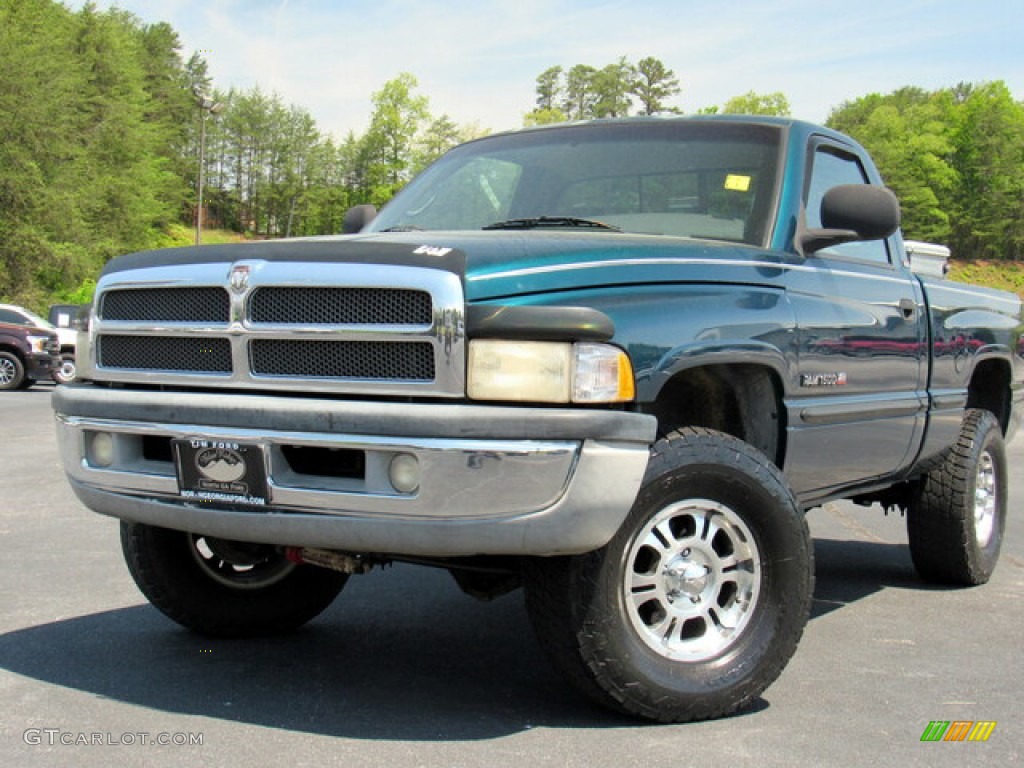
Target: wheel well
[
  {"x": 13, "y": 350},
  {"x": 740, "y": 400},
  {"x": 989, "y": 390}
]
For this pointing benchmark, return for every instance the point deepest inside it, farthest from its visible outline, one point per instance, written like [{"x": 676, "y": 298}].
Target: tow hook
[{"x": 328, "y": 558}]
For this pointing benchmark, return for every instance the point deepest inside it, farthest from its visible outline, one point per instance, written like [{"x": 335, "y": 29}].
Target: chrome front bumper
[{"x": 493, "y": 480}]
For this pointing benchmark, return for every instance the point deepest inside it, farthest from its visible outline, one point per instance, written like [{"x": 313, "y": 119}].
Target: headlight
[
  {"x": 38, "y": 343},
  {"x": 548, "y": 372}
]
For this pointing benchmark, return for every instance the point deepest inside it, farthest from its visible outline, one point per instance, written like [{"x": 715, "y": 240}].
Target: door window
[{"x": 832, "y": 168}]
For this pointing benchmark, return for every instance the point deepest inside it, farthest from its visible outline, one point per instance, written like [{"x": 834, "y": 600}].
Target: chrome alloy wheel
[
  {"x": 238, "y": 565},
  {"x": 986, "y": 493},
  {"x": 7, "y": 371},
  {"x": 692, "y": 580}
]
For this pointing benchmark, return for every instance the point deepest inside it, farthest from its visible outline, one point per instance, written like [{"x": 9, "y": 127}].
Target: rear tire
[
  {"x": 956, "y": 519},
  {"x": 222, "y": 588},
  {"x": 698, "y": 602}
]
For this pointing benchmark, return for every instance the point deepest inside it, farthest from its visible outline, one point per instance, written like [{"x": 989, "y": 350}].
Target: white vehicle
[
  {"x": 63, "y": 318},
  {"x": 927, "y": 258}
]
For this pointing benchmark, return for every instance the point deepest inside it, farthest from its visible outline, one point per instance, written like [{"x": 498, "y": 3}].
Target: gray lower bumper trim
[
  {"x": 585, "y": 518},
  {"x": 495, "y": 481}
]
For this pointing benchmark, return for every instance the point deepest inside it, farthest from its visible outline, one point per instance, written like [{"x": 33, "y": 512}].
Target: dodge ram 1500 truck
[{"x": 611, "y": 362}]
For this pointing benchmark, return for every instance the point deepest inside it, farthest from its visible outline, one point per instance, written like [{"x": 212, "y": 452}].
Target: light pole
[{"x": 206, "y": 106}]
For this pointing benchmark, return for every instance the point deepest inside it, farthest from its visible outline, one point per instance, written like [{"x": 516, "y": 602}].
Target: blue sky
[{"x": 477, "y": 61}]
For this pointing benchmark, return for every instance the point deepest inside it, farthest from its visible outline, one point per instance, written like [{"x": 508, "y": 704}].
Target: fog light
[
  {"x": 404, "y": 473},
  {"x": 101, "y": 449}
]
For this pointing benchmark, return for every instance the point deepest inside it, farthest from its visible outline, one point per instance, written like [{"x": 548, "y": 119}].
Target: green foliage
[
  {"x": 955, "y": 158},
  {"x": 1004, "y": 275},
  {"x": 436, "y": 139},
  {"x": 584, "y": 92},
  {"x": 544, "y": 116},
  {"x": 549, "y": 88},
  {"x": 612, "y": 85},
  {"x": 751, "y": 103},
  {"x": 398, "y": 113},
  {"x": 653, "y": 83},
  {"x": 86, "y": 161}
]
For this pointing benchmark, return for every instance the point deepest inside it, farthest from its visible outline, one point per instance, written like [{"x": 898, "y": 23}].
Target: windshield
[
  {"x": 22, "y": 316},
  {"x": 711, "y": 180}
]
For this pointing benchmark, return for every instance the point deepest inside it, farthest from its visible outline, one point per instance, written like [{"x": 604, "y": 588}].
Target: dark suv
[{"x": 28, "y": 351}]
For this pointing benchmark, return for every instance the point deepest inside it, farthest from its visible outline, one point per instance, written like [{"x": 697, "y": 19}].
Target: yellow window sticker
[{"x": 736, "y": 183}]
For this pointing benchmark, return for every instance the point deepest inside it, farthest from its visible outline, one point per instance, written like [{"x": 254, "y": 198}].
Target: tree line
[
  {"x": 954, "y": 157},
  {"x": 102, "y": 123},
  {"x": 270, "y": 172}
]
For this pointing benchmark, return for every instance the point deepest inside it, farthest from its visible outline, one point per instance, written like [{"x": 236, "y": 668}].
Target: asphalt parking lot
[{"x": 404, "y": 670}]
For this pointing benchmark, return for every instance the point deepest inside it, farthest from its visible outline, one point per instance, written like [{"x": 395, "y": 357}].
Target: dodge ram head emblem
[
  {"x": 239, "y": 278},
  {"x": 222, "y": 464}
]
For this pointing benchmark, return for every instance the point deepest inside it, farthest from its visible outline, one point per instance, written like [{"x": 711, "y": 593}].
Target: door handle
[{"x": 908, "y": 307}]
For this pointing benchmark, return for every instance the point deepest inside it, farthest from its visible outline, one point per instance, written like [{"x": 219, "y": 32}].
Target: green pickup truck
[{"x": 611, "y": 362}]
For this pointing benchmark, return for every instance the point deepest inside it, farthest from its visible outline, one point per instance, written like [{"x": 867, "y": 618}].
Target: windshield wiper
[
  {"x": 404, "y": 228},
  {"x": 552, "y": 221}
]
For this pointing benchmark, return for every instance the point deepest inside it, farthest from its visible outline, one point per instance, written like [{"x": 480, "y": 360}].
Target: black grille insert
[
  {"x": 401, "y": 361},
  {"x": 164, "y": 353},
  {"x": 166, "y": 305},
  {"x": 340, "y": 306}
]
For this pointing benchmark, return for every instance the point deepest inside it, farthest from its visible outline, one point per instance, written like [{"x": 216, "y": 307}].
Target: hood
[{"x": 506, "y": 264}]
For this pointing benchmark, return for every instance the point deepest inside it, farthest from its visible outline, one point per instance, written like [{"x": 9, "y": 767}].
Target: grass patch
[
  {"x": 1004, "y": 275},
  {"x": 178, "y": 235}
]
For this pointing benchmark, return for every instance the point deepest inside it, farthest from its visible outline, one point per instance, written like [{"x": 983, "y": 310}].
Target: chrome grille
[
  {"x": 392, "y": 360},
  {"x": 326, "y": 327},
  {"x": 166, "y": 305},
  {"x": 340, "y": 306},
  {"x": 164, "y": 353}
]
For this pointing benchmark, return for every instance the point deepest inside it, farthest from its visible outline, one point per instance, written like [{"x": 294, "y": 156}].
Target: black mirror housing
[
  {"x": 356, "y": 218},
  {"x": 853, "y": 212}
]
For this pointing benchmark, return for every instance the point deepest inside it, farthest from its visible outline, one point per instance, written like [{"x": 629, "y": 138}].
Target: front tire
[
  {"x": 225, "y": 589},
  {"x": 698, "y": 602},
  {"x": 956, "y": 519},
  {"x": 12, "y": 372}
]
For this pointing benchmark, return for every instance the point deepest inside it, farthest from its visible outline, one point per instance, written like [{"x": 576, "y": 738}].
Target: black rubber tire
[
  {"x": 13, "y": 371},
  {"x": 578, "y": 605},
  {"x": 941, "y": 524},
  {"x": 166, "y": 568},
  {"x": 65, "y": 372}
]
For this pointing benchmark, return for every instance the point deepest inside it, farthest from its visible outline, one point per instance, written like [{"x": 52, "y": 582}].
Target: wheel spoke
[
  {"x": 712, "y": 527},
  {"x": 644, "y": 582},
  {"x": 661, "y": 537}
]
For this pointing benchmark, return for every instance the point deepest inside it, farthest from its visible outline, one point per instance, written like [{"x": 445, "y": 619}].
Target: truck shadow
[
  {"x": 401, "y": 655},
  {"x": 847, "y": 571}
]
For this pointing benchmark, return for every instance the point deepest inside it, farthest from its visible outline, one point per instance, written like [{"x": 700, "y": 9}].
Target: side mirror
[
  {"x": 852, "y": 212},
  {"x": 356, "y": 218}
]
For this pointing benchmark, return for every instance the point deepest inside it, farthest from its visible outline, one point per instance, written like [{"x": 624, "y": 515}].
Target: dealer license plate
[{"x": 221, "y": 470}]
